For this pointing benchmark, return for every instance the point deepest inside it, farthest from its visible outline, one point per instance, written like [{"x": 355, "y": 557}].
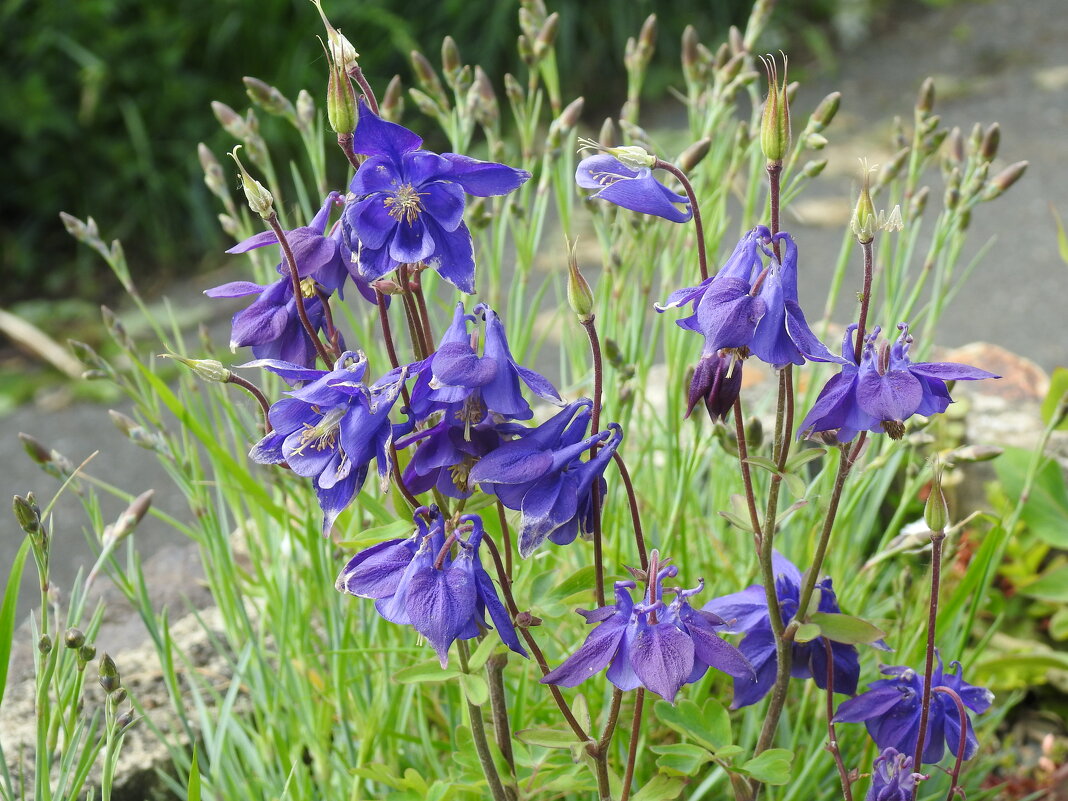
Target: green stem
[{"x": 478, "y": 734}]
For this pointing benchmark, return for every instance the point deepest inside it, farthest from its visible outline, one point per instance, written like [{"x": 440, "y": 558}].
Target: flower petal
[
  {"x": 484, "y": 178},
  {"x": 375, "y": 136}
]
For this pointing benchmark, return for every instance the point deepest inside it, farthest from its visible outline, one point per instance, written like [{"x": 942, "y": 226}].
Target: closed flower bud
[
  {"x": 29, "y": 518},
  {"x": 775, "y": 122},
  {"x": 694, "y": 154},
  {"x": 44, "y": 645},
  {"x": 451, "y": 63},
  {"x": 825, "y": 112},
  {"x": 128, "y": 520},
  {"x": 109, "y": 674},
  {"x": 213, "y": 171},
  {"x": 485, "y": 107},
  {"x": 513, "y": 89},
  {"x": 863, "y": 224},
  {"x": 232, "y": 122},
  {"x": 305, "y": 110},
  {"x": 74, "y": 226},
  {"x": 269, "y": 98},
  {"x": 86, "y": 355},
  {"x": 428, "y": 79},
  {"x": 119, "y": 696},
  {"x": 607, "y": 136},
  {"x": 340, "y": 101},
  {"x": 546, "y": 37},
  {"x": 926, "y": 99},
  {"x": 391, "y": 106},
  {"x": 229, "y": 225},
  {"x": 579, "y": 294},
  {"x": 125, "y": 719},
  {"x": 1004, "y": 179},
  {"x": 86, "y": 654},
  {"x": 690, "y": 66},
  {"x": 975, "y": 140},
  {"x": 952, "y": 196},
  {"x": 207, "y": 369},
  {"x": 975, "y": 453},
  {"x": 116, "y": 329},
  {"x": 815, "y": 141},
  {"x": 736, "y": 40},
  {"x": 919, "y": 202},
  {"x": 813, "y": 168},
  {"x": 955, "y": 148},
  {"x": 565, "y": 123},
  {"x": 754, "y": 429},
  {"x": 530, "y": 21},
  {"x": 892, "y": 168},
  {"x": 425, "y": 103},
  {"x": 935, "y": 510},
  {"x": 260, "y": 200},
  {"x": 731, "y": 69},
  {"x": 74, "y": 638},
  {"x": 723, "y": 55}
]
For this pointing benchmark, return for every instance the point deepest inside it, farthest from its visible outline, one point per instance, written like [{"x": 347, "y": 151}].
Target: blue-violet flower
[
  {"x": 892, "y": 778},
  {"x": 633, "y": 188},
  {"x": 409, "y": 202},
  {"x": 891, "y": 710}
]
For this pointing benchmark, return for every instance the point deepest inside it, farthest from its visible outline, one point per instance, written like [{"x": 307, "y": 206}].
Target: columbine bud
[
  {"x": 483, "y": 100},
  {"x": 815, "y": 141},
  {"x": 1004, "y": 179},
  {"x": 74, "y": 638},
  {"x": 690, "y": 64},
  {"x": 716, "y": 384},
  {"x": 936, "y": 511},
  {"x": 428, "y": 79},
  {"x": 813, "y": 168},
  {"x": 44, "y": 645},
  {"x": 259, "y": 199},
  {"x": 546, "y": 37},
  {"x": 232, "y": 122},
  {"x": 207, "y": 369},
  {"x": 35, "y": 450},
  {"x": 863, "y": 224},
  {"x": 919, "y": 202},
  {"x": 825, "y": 112},
  {"x": 955, "y": 148},
  {"x": 340, "y": 100},
  {"x": 579, "y": 294},
  {"x": 391, "y": 106},
  {"x": 269, "y": 98},
  {"x": 305, "y": 110},
  {"x": 513, "y": 89},
  {"x": 775, "y": 122},
  {"x": 926, "y": 98},
  {"x": 116, "y": 329},
  {"x": 564, "y": 124},
  {"x": 451, "y": 63},
  {"x": 694, "y": 154},
  {"x": 28, "y": 517},
  {"x": 607, "y": 137},
  {"x": 128, "y": 520},
  {"x": 213, "y": 172},
  {"x": 109, "y": 674}
]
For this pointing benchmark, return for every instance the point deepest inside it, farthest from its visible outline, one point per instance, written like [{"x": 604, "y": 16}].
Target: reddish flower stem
[
  {"x": 699, "y": 228},
  {"x": 832, "y": 738},
  {"x": 255, "y": 392},
  {"x": 955, "y": 780},
  {"x": 595, "y": 425},
  {"x": 635, "y": 516},
  {"x": 632, "y": 747},
  {"x": 932, "y": 621},
  {"x": 298, "y": 294}
]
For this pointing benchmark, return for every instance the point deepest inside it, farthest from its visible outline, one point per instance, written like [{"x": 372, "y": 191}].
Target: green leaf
[
  {"x": 846, "y": 628},
  {"x": 9, "y": 610},
  {"x": 1051, "y": 585},
  {"x": 1058, "y": 624},
  {"x": 661, "y": 788},
  {"x": 393, "y": 530},
  {"x": 806, "y": 632},
  {"x": 803, "y": 457},
  {"x": 1058, "y": 386},
  {"x": 483, "y": 652},
  {"x": 709, "y": 725},
  {"x": 475, "y": 688},
  {"x": 425, "y": 671},
  {"x": 771, "y": 767},
  {"x": 192, "y": 792},
  {"x": 1047, "y": 505},
  {"x": 1062, "y": 238},
  {"x": 681, "y": 759},
  {"x": 579, "y": 581},
  {"x": 547, "y": 738},
  {"x": 580, "y": 707}
]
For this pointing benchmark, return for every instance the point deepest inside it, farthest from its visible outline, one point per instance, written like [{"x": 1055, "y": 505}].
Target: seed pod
[
  {"x": 775, "y": 121},
  {"x": 260, "y": 200},
  {"x": 579, "y": 294},
  {"x": 109, "y": 674},
  {"x": 694, "y": 154},
  {"x": 936, "y": 510},
  {"x": 74, "y": 638},
  {"x": 44, "y": 645}
]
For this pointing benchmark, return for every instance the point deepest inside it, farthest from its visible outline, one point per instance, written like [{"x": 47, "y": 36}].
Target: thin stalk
[
  {"x": 499, "y": 709},
  {"x": 832, "y": 738},
  {"x": 344, "y": 141},
  {"x": 332, "y": 334},
  {"x": 604, "y": 788},
  {"x": 368, "y": 93},
  {"x": 506, "y": 532},
  {"x": 635, "y": 516},
  {"x": 610, "y": 725},
  {"x": 298, "y": 294},
  {"x": 632, "y": 747},
  {"x": 255, "y": 392},
  {"x": 955, "y": 779},
  {"x": 932, "y": 620},
  {"x": 774, "y": 169},
  {"x": 415, "y": 327},
  {"x": 387, "y": 337},
  {"x": 699, "y": 228},
  {"x": 424, "y": 314},
  {"x": 865, "y": 301},
  {"x": 539, "y": 656},
  {"x": 478, "y": 734},
  {"x": 595, "y": 425},
  {"x": 743, "y": 463}
]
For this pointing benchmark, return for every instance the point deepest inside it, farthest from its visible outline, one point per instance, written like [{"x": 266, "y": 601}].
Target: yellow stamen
[{"x": 405, "y": 204}]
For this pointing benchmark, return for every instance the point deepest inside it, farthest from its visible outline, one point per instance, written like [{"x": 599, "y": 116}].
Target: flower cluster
[
  {"x": 747, "y": 612},
  {"x": 652, "y": 644},
  {"x": 418, "y": 582}
]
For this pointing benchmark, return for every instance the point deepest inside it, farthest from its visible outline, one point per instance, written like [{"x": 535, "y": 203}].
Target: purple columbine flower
[
  {"x": 270, "y": 325},
  {"x": 417, "y": 582},
  {"x": 884, "y": 390},
  {"x": 652, "y": 644},
  {"x": 542, "y": 475},
  {"x": 331, "y": 428},
  {"x": 446, "y": 452},
  {"x": 633, "y": 188},
  {"x": 891, "y": 709},
  {"x": 747, "y": 612},
  {"x": 717, "y": 381},
  {"x": 892, "y": 778},
  {"x": 749, "y": 307},
  {"x": 409, "y": 202}
]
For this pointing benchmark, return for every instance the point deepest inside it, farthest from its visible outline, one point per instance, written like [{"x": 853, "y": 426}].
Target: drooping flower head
[
  {"x": 752, "y": 307},
  {"x": 747, "y": 612},
  {"x": 892, "y": 778},
  {"x": 631, "y": 185},
  {"x": 891, "y": 709},
  {"x": 409, "y": 202},
  {"x": 717, "y": 382},
  {"x": 419, "y": 582},
  {"x": 652, "y": 644},
  {"x": 332, "y": 427},
  {"x": 541, "y": 474},
  {"x": 884, "y": 390}
]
